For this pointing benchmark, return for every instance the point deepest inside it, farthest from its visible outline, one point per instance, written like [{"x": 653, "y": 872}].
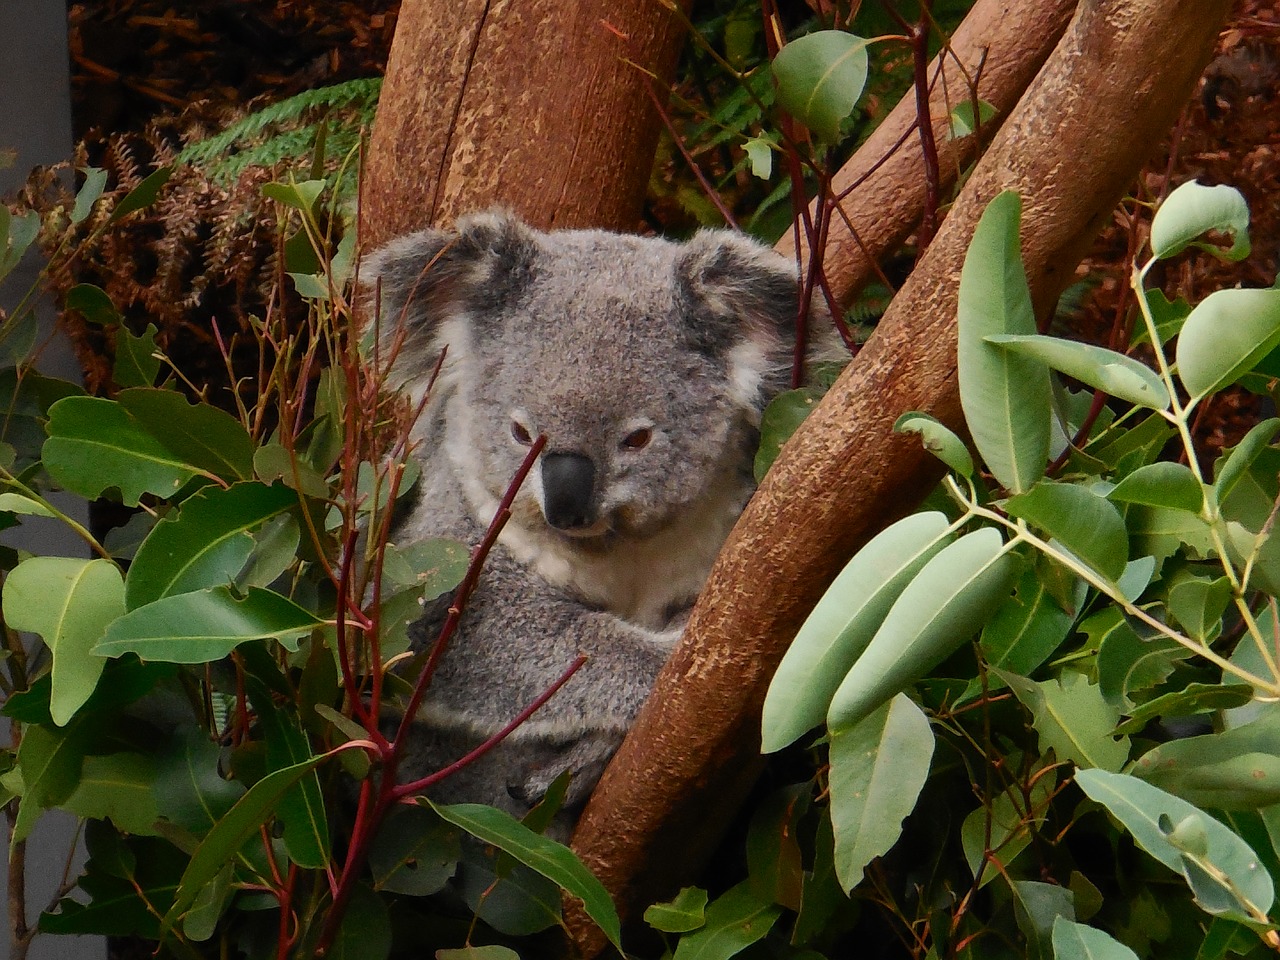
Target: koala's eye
[
  {"x": 520, "y": 434},
  {"x": 637, "y": 439}
]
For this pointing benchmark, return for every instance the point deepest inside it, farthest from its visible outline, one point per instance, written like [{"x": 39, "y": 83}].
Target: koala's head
[{"x": 646, "y": 363}]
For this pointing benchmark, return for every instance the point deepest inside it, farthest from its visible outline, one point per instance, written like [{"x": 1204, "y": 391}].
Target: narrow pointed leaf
[
  {"x": 69, "y": 603},
  {"x": 206, "y": 625},
  {"x": 553, "y": 860},
  {"x": 878, "y": 768},
  {"x": 1087, "y": 525},
  {"x": 143, "y": 195},
  {"x": 945, "y": 605},
  {"x": 820, "y": 78},
  {"x": 1143, "y": 808},
  {"x": 842, "y": 624},
  {"x": 205, "y": 543},
  {"x": 1191, "y": 211},
  {"x": 1006, "y": 397},
  {"x": 1113, "y": 373},
  {"x": 306, "y": 825},
  {"x": 1242, "y": 456},
  {"x": 1228, "y": 332}
]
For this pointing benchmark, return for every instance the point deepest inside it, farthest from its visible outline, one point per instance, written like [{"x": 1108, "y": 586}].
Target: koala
[{"x": 646, "y": 364}]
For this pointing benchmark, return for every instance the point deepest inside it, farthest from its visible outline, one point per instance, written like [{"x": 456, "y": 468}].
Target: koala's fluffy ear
[
  {"x": 741, "y": 300},
  {"x": 433, "y": 276}
]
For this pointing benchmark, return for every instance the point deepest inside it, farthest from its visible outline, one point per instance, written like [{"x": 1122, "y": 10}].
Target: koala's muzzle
[{"x": 568, "y": 482}]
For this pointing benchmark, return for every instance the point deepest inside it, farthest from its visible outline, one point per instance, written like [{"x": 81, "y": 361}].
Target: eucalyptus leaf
[
  {"x": 1006, "y": 398},
  {"x": 69, "y": 603},
  {"x": 1236, "y": 464},
  {"x": 1191, "y": 211},
  {"x": 206, "y": 625},
  {"x": 1071, "y": 717},
  {"x": 1086, "y": 524},
  {"x": 1163, "y": 484},
  {"x": 1227, "y": 333},
  {"x": 843, "y": 623},
  {"x": 1234, "y": 769},
  {"x": 878, "y": 768},
  {"x": 1142, "y": 808},
  {"x": 95, "y": 180},
  {"x": 209, "y": 438},
  {"x": 1113, "y": 373},
  {"x": 820, "y": 78},
  {"x": 1077, "y": 941},
  {"x": 943, "y": 606},
  {"x": 686, "y": 912},
  {"x": 735, "y": 920},
  {"x": 938, "y": 440}
]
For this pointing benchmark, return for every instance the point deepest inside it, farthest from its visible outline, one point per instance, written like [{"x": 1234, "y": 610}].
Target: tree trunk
[
  {"x": 542, "y": 106},
  {"x": 1078, "y": 136}
]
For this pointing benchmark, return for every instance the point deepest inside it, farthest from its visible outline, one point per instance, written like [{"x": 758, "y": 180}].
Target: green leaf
[
  {"x": 365, "y": 932},
  {"x": 50, "y": 762},
  {"x": 1191, "y": 211},
  {"x": 1192, "y": 699},
  {"x": 117, "y": 787},
  {"x": 301, "y": 196},
  {"x": 1071, "y": 717},
  {"x": 204, "y": 436},
  {"x": 735, "y": 920},
  {"x": 201, "y": 921},
  {"x": 1142, "y": 808},
  {"x": 687, "y": 912},
  {"x": 143, "y": 195},
  {"x": 553, "y": 860},
  {"x": 16, "y": 235},
  {"x": 782, "y": 417},
  {"x": 136, "y": 361},
  {"x": 95, "y": 445},
  {"x": 1013, "y": 817},
  {"x": 95, "y": 179},
  {"x": 1163, "y": 484},
  {"x": 1128, "y": 663},
  {"x": 1228, "y": 332},
  {"x": 1198, "y": 603},
  {"x": 878, "y": 768},
  {"x": 490, "y": 952},
  {"x": 938, "y": 440},
  {"x": 1077, "y": 941},
  {"x": 1113, "y": 373},
  {"x": 205, "y": 543},
  {"x": 1086, "y": 524},
  {"x": 206, "y": 625},
  {"x": 1037, "y": 907},
  {"x": 943, "y": 606},
  {"x": 415, "y": 853},
  {"x": 190, "y": 789},
  {"x": 759, "y": 152},
  {"x": 92, "y": 303},
  {"x": 1235, "y": 769},
  {"x": 69, "y": 603},
  {"x": 1006, "y": 397},
  {"x": 226, "y": 838},
  {"x": 1234, "y": 466},
  {"x": 843, "y": 623},
  {"x": 775, "y": 864},
  {"x": 962, "y": 121},
  {"x": 17, "y": 503},
  {"x": 302, "y": 810},
  {"x": 820, "y": 78}
]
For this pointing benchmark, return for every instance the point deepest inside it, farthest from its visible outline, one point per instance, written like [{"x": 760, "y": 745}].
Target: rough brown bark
[
  {"x": 1078, "y": 136},
  {"x": 540, "y": 106}
]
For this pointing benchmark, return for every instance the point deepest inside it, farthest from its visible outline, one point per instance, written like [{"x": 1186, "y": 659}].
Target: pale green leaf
[
  {"x": 735, "y": 920},
  {"x": 1113, "y": 373},
  {"x": 1143, "y": 808},
  {"x": 1234, "y": 769},
  {"x": 17, "y": 503},
  {"x": 69, "y": 603},
  {"x": 1037, "y": 907},
  {"x": 687, "y": 912},
  {"x": 1191, "y": 211},
  {"x": 1006, "y": 397},
  {"x": 842, "y": 624},
  {"x": 1077, "y": 941},
  {"x": 878, "y": 768},
  {"x": 1071, "y": 717},
  {"x": 820, "y": 78},
  {"x": 95, "y": 180},
  {"x": 118, "y": 787},
  {"x": 759, "y": 152},
  {"x": 1227, "y": 333},
  {"x": 1236, "y": 464},
  {"x": 1163, "y": 484},
  {"x": 300, "y": 196},
  {"x": 942, "y": 607},
  {"x": 1086, "y": 524},
  {"x": 962, "y": 121},
  {"x": 938, "y": 440}
]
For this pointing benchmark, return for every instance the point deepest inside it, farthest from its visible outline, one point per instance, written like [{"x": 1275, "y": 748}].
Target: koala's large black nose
[{"x": 568, "y": 480}]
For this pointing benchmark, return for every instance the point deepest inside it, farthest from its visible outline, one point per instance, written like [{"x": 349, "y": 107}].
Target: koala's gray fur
[{"x": 646, "y": 364}]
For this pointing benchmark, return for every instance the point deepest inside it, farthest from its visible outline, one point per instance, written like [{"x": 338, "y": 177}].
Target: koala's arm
[{"x": 518, "y": 635}]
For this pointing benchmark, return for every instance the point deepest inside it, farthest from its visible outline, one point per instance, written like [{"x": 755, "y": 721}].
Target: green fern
[{"x": 289, "y": 132}]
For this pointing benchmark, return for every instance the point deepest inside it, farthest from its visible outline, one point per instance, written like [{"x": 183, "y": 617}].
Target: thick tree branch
[
  {"x": 1107, "y": 94},
  {"x": 541, "y": 106}
]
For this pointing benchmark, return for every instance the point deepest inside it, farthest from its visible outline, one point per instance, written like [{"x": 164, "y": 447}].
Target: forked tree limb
[
  {"x": 542, "y": 106},
  {"x": 1077, "y": 138}
]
